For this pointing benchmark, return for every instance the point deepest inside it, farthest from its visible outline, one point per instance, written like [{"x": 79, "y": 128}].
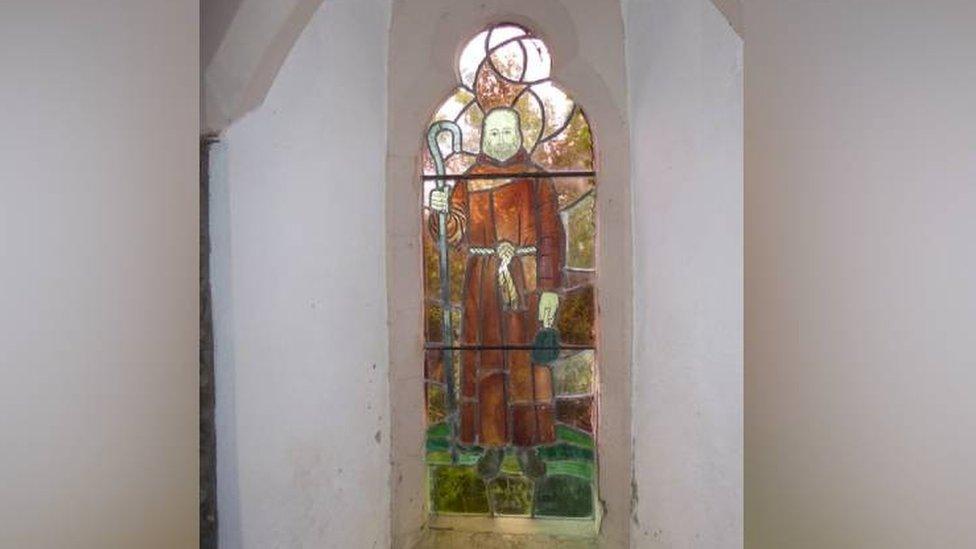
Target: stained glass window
[{"x": 509, "y": 235}]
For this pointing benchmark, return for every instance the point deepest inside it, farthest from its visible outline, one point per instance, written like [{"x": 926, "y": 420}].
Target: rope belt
[
  {"x": 510, "y": 296},
  {"x": 521, "y": 250}
]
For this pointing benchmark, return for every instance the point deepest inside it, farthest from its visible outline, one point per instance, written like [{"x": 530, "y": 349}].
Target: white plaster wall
[
  {"x": 300, "y": 299},
  {"x": 684, "y": 66},
  {"x": 861, "y": 192},
  {"x": 98, "y": 274}
]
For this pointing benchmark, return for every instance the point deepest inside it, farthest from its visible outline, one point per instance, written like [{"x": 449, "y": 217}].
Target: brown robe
[{"x": 504, "y": 397}]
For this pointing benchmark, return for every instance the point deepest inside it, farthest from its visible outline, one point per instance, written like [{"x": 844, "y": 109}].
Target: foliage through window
[{"x": 509, "y": 236}]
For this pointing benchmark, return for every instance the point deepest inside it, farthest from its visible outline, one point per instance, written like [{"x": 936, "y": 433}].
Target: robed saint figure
[{"x": 510, "y": 230}]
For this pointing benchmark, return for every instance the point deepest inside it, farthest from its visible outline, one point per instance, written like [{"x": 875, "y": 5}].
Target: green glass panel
[
  {"x": 439, "y": 448},
  {"x": 458, "y": 490},
  {"x": 576, "y": 315},
  {"x": 563, "y": 451},
  {"x": 563, "y": 496},
  {"x": 465, "y": 455},
  {"x": 573, "y": 436},
  {"x": 438, "y": 458},
  {"x": 441, "y": 457},
  {"x": 580, "y": 221},
  {"x": 573, "y": 375},
  {"x": 511, "y": 495},
  {"x": 437, "y": 444},
  {"x": 581, "y": 469},
  {"x": 440, "y": 430},
  {"x": 510, "y": 463}
]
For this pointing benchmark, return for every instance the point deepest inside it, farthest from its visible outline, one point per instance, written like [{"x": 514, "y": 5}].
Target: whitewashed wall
[
  {"x": 300, "y": 297},
  {"x": 684, "y": 66},
  {"x": 861, "y": 193},
  {"x": 98, "y": 273},
  {"x": 300, "y": 301}
]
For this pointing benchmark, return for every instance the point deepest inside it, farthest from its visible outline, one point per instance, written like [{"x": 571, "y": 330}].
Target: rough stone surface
[{"x": 208, "y": 458}]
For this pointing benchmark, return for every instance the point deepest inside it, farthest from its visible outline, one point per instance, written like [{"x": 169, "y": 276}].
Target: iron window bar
[
  {"x": 522, "y": 175},
  {"x": 514, "y": 347}
]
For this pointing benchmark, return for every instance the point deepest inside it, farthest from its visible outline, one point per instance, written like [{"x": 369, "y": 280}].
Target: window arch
[{"x": 509, "y": 261}]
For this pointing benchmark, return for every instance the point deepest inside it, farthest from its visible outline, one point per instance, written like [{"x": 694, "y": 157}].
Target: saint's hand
[
  {"x": 548, "y": 305},
  {"x": 439, "y": 200}
]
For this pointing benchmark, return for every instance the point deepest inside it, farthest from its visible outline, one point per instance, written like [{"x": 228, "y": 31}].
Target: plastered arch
[
  {"x": 247, "y": 54},
  {"x": 245, "y": 42}
]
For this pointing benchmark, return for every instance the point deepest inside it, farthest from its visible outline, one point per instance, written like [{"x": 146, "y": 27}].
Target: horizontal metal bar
[
  {"x": 436, "y": 347},
  {"x": 522, "y": 175}
]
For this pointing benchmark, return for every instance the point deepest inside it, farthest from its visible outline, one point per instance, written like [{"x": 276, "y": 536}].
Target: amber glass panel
[
  {"x": 433, "y": 369},
  {"x": 493, "y": 90},
  {"x": 433, "y": 325},
  {"x": 436, "y": 403},
  {"x": 576, "y": 412},
  {"x": 576, "y": 315}
]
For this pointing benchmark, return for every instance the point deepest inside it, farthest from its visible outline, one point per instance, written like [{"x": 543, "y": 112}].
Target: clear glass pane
[
  {"x": 471, "y": 57},
  {"x": 557, "y": 105},
  {"x": 502, "y": 33},
  {"x": 580, "y": 221},
  {"x": 571, "y": 189},
  {"x": 530, "y": 115},
  {"x": 570, "y": 149},
  {"x": 509, "y": 60},
  {"x": 538, "y": 64},
  {"x": 573, "y": 375}
]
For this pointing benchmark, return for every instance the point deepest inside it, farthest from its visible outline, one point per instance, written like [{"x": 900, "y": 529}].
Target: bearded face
[{"x": 501, "y": 135}]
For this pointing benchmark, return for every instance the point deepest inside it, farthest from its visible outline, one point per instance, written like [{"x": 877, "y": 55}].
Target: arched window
[{"x": 509, "y": 236}]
